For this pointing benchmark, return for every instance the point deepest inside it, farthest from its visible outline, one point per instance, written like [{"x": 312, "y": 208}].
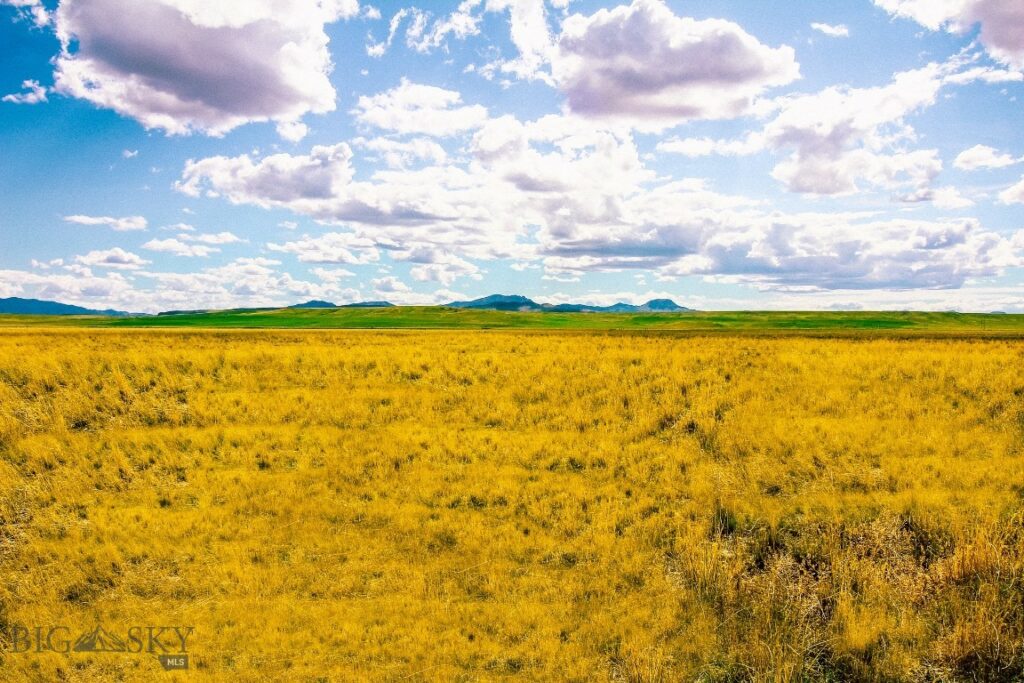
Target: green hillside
[{"x": 908, "y": 323}]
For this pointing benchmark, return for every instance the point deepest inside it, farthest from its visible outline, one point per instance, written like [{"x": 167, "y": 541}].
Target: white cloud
[
  {"x": 844, "y": 135},
  {"x": 983, "y": 156},
  {"x": 34, "y": 93},
  {"x": 404, "y": 153},
  {"x": 292, "y": 131},
  {"x": 179, "y": 248},
  {"x": 436, "y": 265},
  {"x": 422, "y": 109},
  {"x": 699, "y": 147},
  {"x": 332, "y": 274},
  {"x": 973, "y": 298},
  {"x": 119, "y": 224},
  {"x": 949, "y": 197},
  {"x": 379, "y": 49},
  {"x": 32, "y": 10},
  {"x": 333, "y": 247},
  {"x": 77, "y": 284},
  {"x": 212, "y": 238},
  {"x": 112, "y": 258},
  {"x": 460, "y": 24},
  {"x": 643, "y": 64},
  {"x": 389, "y": 285},
  {"x": 821, "y": 253},
  {"x": 833, "y": 31},
  {"x": 394, "y": 290},
  {"x": 576, "y": 197},
  {"x": 551, "y": 173},
  {"x": 244, "y": 281},
  {"x": 845, "y": 140},
  {"x": 528, "y": 26},
  {"x": 986, "y": 74},
  {"x": 842, "y": 140},
  {"x": 1002, "y": 22},
  {"x": 1013, "y": 194},
  {"x": 424, "y": 33},
  {"x": 682, "y": 228},
  {"x": 245, "y": 62},
  {"x": 437, "y": 204},
  {"x": 276, "y": 180},
  {"x": 130, "y": 153}
]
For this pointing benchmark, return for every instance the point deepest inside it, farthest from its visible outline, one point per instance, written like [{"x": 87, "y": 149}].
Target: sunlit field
[{"x": 495, "y": 505}]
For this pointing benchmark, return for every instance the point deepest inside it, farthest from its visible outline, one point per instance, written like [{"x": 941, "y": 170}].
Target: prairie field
[{"x": 356, "y": 505}]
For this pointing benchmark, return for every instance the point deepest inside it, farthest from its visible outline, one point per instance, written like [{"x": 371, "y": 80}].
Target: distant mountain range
[
  {"x": 39, "y": 307},
  {"x": 494, "y": 302},
  {"x": 515, "y": 302}
]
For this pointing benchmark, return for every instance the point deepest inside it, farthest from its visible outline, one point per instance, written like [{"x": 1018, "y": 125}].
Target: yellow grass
[{"x": 474, "y": 506}]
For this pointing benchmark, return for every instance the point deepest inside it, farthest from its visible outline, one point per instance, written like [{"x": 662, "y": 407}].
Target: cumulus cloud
[
  {"x": 112, "y": 258},
  {"x": 404, "y": 153},
  {"x": 840, "y": 136},
  {"x": 552, "y": 173},
  {"x": 686, "y": 229},
  {"x": 241, "y": 282},
  {"x": 843, "y": 140},
  {"x": 436, "y": 265},
  {"x": 33, "y": 10},
  {"x": 829, "y": 252},
  {"x": 244, "y": 281},
  {"x": 983, "y": 156},
  {"x": 1002, "y": 22},
  {"x": 389, "y": 285},
  {"x": 643, "y": 64},
  {"x": 245, "y": 62},
  {"x": 332, "y": 274},
  {"x": 700, "y": 147},
  {"x": 833, "y": 31},
  {"x": 33, "y": 94},
  {"x": 292, "y": 131},
  {"x": 211, "y": 238},
  {"x": 74, "y": 284},
  {"x": 125, "y": 224},
  {"x": 575, "y": 197},
  {"x": 392, "y": 289},
  {"x": 179, "y": 248},
  {"x": 333, "y": 247},
  {"x": 1013, "y": 194},
  {"x": 422, "y": 109},
  {"x": 442, "y": 204},
  {"x": 280, "y": 179},
  {"x": 949, "y": 197}
]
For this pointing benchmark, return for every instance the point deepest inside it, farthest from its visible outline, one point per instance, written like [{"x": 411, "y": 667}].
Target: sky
[{"x": 183, "y": 154}]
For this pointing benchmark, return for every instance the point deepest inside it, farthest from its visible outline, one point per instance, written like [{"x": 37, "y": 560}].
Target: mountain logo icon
[{"x": 99, "y": 640}]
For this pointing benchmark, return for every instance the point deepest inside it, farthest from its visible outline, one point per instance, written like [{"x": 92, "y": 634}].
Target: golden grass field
[{"x": 477, "y": 506}]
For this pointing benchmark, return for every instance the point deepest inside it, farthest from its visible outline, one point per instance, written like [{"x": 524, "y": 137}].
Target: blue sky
[{"x": 164, "y": 154}]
